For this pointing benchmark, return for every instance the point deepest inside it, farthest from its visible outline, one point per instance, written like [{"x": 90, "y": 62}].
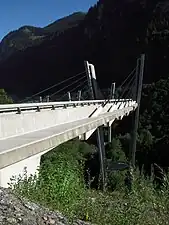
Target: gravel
[{"x": 16, "y": 211}]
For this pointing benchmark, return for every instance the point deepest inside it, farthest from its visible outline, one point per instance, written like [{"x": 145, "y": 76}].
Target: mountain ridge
[
  {"x": 111, "y": 36},
  {"x": 28, "y": 36}
]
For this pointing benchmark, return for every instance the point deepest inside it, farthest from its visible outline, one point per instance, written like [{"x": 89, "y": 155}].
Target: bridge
[{"x": 29, "y": 130}]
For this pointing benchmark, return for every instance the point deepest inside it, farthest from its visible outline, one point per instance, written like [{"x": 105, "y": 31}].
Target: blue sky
[{"x": 16, "y": 13}]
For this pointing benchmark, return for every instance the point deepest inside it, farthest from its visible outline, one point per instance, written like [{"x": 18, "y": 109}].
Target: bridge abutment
[{"x": 18, "y": 169}]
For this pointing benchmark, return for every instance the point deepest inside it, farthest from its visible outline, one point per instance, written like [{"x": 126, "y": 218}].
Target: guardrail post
[
  {"x": 53, "y": 107},
  {"x": 40, "y": 99},
  {"x": 112, "y": 92},
  {"x": 69, "y": 96},
  {"x": 38, "y": 109},
  {"x": 79, "y": 95},
  {"x": 18, "y": 110},
  {"x": 47, "y": 98}
]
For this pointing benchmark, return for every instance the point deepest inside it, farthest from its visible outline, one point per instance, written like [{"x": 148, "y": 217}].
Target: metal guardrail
[{"x": 52, "y": 105}]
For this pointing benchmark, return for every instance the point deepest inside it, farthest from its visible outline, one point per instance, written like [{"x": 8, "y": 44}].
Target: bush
[
  {"x": 116, "y": 180},
  {"x": 59, "y": 184}
]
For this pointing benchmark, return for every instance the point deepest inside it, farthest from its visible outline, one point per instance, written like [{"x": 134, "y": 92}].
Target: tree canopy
[{"x": 4, "y": 98}]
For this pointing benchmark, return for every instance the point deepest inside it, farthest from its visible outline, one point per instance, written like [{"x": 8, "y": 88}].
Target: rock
[
  {"x": 18, "y": 211},
  {"x": 51, "y": 221},
  {"x": 11, "y": 220},
  {"x": 31, "y": 206},
  {"x": 45, "y": 218},
  {"x": 2, "y": 218}
]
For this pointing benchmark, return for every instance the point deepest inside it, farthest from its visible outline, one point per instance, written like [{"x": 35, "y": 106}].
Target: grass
[{"x": 60, "y": 186}]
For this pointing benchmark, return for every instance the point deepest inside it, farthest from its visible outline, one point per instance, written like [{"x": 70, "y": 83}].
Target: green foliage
[
  {"x": 116, "y": 180},
  {"x": 4, "y": 98},
  {"x": 62, "y": 191},
  {"x": 60, "y": 183},
  {"x": 115, "y": 151},
  {"x": 155, "y": 108},
  {"x": 74, "y": 149},
  {"x": 145, "y": 140}
]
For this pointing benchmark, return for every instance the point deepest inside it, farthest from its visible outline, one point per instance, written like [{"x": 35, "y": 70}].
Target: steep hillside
[
  {"x": 21, "y": 39},
  {"x": 112, "y": 35},
  {"x": 28, "y": 36}
]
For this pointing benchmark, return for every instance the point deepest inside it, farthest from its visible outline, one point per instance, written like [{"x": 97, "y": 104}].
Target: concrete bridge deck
[{"x": 25, "y": 149}]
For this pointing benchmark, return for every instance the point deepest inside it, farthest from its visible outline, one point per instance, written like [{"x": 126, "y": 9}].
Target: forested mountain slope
[{"x": 112, "y": 35}]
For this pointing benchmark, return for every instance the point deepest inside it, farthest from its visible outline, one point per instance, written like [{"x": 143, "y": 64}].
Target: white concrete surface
[
  {"x": 31, "y": 164},
  {"x": 16, "y": 124},
  {"x": 100, "y": 110},
  {"x": 12, "y": 124}
]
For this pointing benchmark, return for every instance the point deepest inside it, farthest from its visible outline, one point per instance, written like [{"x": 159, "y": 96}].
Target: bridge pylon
[
  {"x": 90, "y": 71},
  {"x": 135, "y": 122}
]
